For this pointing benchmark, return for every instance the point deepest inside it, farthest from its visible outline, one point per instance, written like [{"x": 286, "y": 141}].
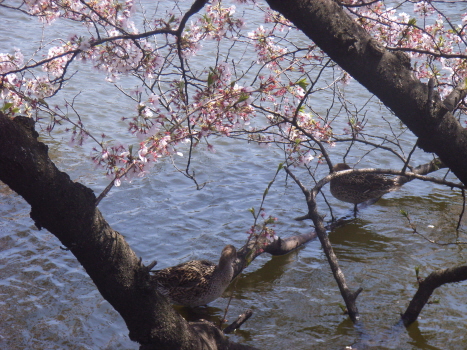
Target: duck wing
[
  {"x": 191, "y": 274},
  {"x": 364, "y": 182},
  {"x": 376, "y": 183}
]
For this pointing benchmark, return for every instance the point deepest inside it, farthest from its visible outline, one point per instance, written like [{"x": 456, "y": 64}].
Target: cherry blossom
[{"x": 176, "y": 105}]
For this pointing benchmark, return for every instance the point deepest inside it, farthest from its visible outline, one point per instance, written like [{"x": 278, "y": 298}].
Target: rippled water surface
[{"x": 48, "y": 301}]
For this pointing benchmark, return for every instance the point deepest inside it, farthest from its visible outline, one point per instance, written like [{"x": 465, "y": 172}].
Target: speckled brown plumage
[
  {"x": 197, "y": 282},
  {"x": 358, "y": 188}
]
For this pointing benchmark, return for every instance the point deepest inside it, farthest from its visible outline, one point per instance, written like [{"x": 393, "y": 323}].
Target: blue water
[{"x": 48, "y": 301}]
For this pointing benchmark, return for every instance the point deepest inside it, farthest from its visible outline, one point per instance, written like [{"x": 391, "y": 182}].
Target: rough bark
[
  {"x": 426, "y": 288},
  {"x": 67, "y": 209},
  {"x": 386, "y": 74}
]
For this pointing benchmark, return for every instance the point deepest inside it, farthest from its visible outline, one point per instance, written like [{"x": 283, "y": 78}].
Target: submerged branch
[
  {"x": 348, "y": 296},
  {"x": 426, "y": 288},
  {"x": 238, "y": 322},
  {"x": 278, "y": 246}
]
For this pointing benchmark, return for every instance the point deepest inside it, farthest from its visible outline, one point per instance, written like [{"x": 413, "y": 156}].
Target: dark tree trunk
[
  {"x": 389, "y": 76},
  {"x": 67, "y": 209},
  {"x": 386, "y": 74}
]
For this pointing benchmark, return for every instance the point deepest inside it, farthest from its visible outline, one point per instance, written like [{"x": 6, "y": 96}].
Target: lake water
[{"x": 48, "y": 301}]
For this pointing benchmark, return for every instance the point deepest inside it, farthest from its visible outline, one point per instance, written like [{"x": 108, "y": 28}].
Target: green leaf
[
  {"x": 243, "y": 97},
  {"x": 281, "y": 165},
  {"x": 249, "y": 257},
  {"x": 302, "y": 83},
  {"x": 412, "y": 22},
  {"x": 210, "y": 78},
  {"x": 6, "y": 106},
  {"x": 207, "y": 19},
  {"x": 343, "y": 308},
  {"x": 42, "y": 101},
  {"x": 417, "y": 271},
  {"x": 404, "y": 213}
]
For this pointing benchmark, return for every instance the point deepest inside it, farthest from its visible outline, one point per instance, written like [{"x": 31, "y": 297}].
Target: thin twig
[{"x": 463, "y": 210}]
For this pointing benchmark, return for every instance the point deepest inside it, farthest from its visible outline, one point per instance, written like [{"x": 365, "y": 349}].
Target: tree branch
[
  {"x": 238, "y": 322},
  {"x": 278, "y": 246},
  {"x": 426, "y": 288},
  {"x": 386, "y": 74},
  {"x": 348, "y": 296},
  {"x": 427, "y": 52},
  {"x": 67, "y": 209}
]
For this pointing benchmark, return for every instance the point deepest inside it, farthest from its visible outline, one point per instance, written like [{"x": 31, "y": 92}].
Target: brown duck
[
  {"x": 358, "y": 188},
  {"x": 197, "y": 282}
]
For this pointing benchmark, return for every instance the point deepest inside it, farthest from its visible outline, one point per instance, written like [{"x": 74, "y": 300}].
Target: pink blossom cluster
[
  {"x": 429, "y": 31},
  {"x": 221, "y": 106},
  {"x": 120, "y": 57},
  {"x": 299, "y": 137},
  {"x": 23, "y": 95},
  {"x": 117, "y": 160},
  {"x": 296, "y": 130},
  {"x": 27, "y": 90},
  {"x": 217, "y": 109},
  {"x": 268, "y": 52},
  {"x": 103, "y": 12},
  {"x": 177, "y": 103},
  {"x": 11, "y": 84},
  {"x": 271, "y": 16},
  {"x": 59, "y": 59},
  {"x": 217, "y": 23},
  {"x": 9, "y": 62},
  {"x": 264, "y": 233}
]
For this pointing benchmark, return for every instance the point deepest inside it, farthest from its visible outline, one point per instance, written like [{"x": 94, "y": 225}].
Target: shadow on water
[
  {"x": 418, "y": 339},
  {"x": 356, "y": 237},
  {"x": 393, "y": 338},
  {"x": 263, "y": 278}
]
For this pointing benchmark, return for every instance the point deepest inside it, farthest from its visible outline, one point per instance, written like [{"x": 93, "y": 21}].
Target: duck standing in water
[
  {"x": 197, "y": 282},
  {"x": 357, "y": 188}
]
